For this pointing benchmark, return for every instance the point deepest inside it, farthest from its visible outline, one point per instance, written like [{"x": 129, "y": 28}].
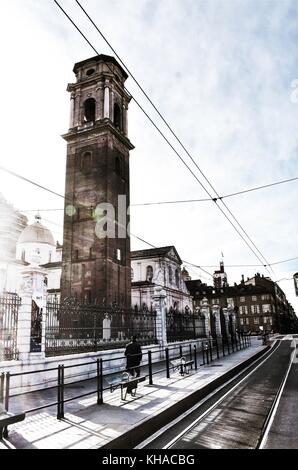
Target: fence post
[
  {"x": 99, "y": 382},
  {"x": 58, "y": 393},
  {"x": 167, "y": 363},
  {"x": 216, "y": 345},
  {"x": 7, "y": 387},
  {"x": 232, "y": 341},
  {"x": 2, "y": 387},
  {"x": 150, "y": 367},
  {"x": 228, "y": 345},
  {"x": 203, "y": 353},
  {"x": 60, "y": 413},
  {"x": 210, "y": 349},
  {"x": 190, "y": 352},
  {"x": 195, "y": 356}
]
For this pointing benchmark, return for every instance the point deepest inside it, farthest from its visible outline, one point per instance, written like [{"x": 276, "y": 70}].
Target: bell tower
[{"x": 95, "y": 261}]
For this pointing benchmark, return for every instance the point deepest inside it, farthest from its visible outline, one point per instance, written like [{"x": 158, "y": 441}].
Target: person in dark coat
[{"x": 133, "y": 353}]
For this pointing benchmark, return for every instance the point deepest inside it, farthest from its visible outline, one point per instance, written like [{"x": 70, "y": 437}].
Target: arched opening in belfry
[
  {"x": 89, "y": 110},
  {"x": 117, "y": 116}
]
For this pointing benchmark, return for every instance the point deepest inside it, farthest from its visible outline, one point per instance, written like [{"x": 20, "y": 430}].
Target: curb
[{"x": 150, "y": 425}]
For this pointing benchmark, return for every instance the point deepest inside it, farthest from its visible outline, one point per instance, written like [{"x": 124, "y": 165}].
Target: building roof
[
  {"x": 100, "y": 58},
  {"x": 37, "y": 233},
  {"x": 163, "y": 251}
]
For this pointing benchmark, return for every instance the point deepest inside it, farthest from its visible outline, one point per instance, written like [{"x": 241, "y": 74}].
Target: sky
[{"x": 222, "y": 72}]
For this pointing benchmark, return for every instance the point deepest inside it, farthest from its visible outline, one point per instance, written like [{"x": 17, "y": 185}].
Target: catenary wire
[
  {"x": 185, "y": 164},
  {"x": 177, "y": 138},
  {"x": 16, "y": 175}
]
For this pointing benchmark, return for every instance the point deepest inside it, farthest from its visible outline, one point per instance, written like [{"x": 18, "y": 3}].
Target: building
[
  {"x": 259, "y": 303},
  {"x": 12, "y": 223},
  {"x": 95, "y": 260},
  {"x": 159, "y": 267},
  {"x": 220, "y": 278}
]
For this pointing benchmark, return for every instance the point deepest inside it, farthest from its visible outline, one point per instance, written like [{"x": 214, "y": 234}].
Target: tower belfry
[{"x": 97, "y": 268}]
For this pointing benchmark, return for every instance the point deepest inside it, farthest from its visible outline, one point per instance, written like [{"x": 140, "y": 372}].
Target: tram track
[{"x": 237, "y": 414}]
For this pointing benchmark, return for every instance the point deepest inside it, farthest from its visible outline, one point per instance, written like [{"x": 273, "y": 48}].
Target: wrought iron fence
[
  {"x": 9, "y": 308},
  {"x": 184, "y": 326},
  {"x": 74, "y": 327}
]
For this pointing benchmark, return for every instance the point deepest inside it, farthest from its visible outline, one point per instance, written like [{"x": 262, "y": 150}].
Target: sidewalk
[{"x": 89, "y": 426}]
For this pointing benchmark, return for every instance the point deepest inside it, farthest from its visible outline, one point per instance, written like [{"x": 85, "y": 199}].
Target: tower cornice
[{"x": 98, "y": 128}]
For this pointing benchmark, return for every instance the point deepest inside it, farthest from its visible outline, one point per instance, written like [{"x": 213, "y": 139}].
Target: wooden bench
[
  {"x": 182, "y": 364},
  {"x": 123, "y": 382},
  {"x": 7, "y": 418}
]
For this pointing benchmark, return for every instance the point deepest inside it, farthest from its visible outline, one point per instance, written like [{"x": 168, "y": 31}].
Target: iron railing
[
  {"x": 184, "y": 326},
  {"x": 74, "y": 327},
  {"x": 9, "y": 308}
]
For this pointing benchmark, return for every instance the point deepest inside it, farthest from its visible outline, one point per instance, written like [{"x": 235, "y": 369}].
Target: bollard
[
  {"x": 167, "y": 363},
  {"x": 195, "y": 357},
  {"x": 150, "y": 367},
  {"x": 7, "y": 386},
  {"x": 99, "y": 382}
]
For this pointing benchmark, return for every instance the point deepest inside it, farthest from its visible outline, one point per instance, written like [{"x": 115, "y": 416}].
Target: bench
[
  {"x": 123, "y": 382},
  {"x": 7, "y": 418},
  {"x": 182, "y": 364}
]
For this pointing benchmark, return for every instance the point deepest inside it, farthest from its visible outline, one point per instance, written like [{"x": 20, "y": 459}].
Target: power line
[
  {"x": 16, "y": 175},
  {"x": 181, "y": 201},
  {"x": 181, "y": 159},
  {"x": 219, "y": 198}
]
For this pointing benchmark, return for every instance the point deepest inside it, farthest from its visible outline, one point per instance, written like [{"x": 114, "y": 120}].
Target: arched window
[
  {"x": 117, "y": 116},
  {"x": 89, "y": 110},
  {"x": 177, "y": 277},
  {"x": 170, "y": 275},
  {"x": 149, "y": 273}
]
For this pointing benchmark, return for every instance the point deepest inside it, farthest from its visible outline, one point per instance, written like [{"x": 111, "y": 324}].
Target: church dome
[{"x": 37, "y": 233}]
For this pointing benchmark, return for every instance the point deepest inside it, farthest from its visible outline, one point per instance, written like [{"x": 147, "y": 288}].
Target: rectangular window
[
  {"x": 241, "y": 321},
  {"x": 256, "y": 321},
  {"x": 242, "y": 299},
  {"x": 254, "y": 298},
  {"x": 118, "y": 254},
  {"x": 243, "y": 309},
  {"x": 255, "y": 309},
  {"x": 265, "y": 297},
  {"x": 246, "y": 321},
  {"x": 266, "y": 308}
]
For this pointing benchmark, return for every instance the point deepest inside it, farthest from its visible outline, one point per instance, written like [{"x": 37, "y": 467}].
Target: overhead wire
[{"x": 267, "y": 264}]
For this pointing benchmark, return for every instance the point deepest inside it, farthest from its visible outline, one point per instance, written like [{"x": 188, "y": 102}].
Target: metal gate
[{"x": 9, "y": 308}]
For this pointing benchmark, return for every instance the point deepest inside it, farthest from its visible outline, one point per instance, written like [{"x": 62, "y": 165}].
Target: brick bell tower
[{"x": 94, "y": 268}]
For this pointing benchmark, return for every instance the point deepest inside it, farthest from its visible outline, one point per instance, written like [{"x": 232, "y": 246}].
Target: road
[{"x": 235, "y": 417}]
